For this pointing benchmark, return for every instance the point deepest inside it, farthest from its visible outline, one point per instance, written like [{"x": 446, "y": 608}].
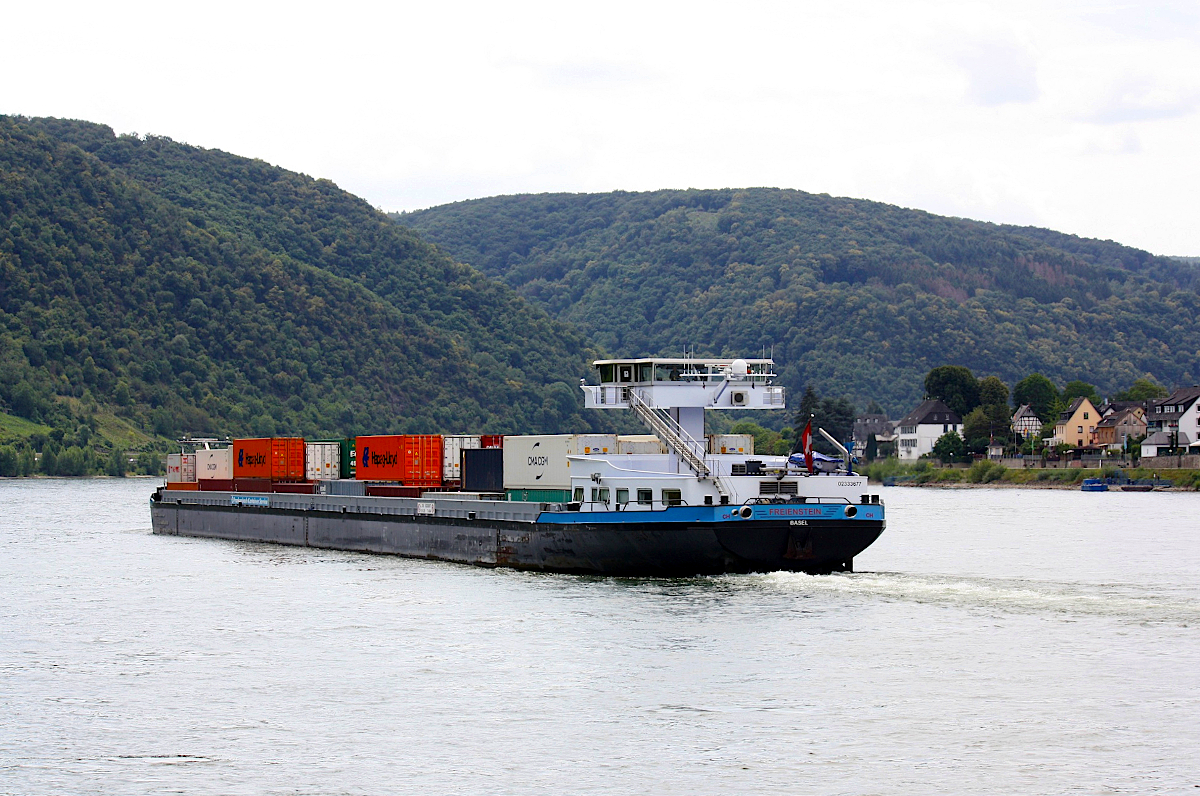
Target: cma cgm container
[
  {"x": 214, "y": 464},
  {"x": 452, "y": 447},
  {"x": 540, "y": 462},
  {"x": 276, "y": 459},
  {"x": 411, "y": 459}
]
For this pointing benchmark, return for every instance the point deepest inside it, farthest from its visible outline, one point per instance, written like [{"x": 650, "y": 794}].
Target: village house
[
  {"x": 923, "y": 426},
  {"x": 1077, "y": 426},
  {"x": 1174, "y": 422},
  {"x": 867, "y": 426},
  {"x": 1026, "y": 423},
  {"x": 1116, "y": 429}
]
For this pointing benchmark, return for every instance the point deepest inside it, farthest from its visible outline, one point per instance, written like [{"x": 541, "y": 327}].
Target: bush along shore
[{"x": 989, "y": 473}]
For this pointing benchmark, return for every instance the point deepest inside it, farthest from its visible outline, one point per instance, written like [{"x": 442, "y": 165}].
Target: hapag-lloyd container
[
  {"x": 277, "y": 459},
  {"x": 214, "y": 464},
  {"x": 452, "y": 447},
  {"x": 411, "y": 459},
  {"x": 181, "y": 468},
  {"x": 540, "y": 462}
]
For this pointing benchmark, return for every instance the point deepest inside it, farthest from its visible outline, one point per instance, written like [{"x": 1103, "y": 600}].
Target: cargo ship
[{"x": 670, "y": 503}]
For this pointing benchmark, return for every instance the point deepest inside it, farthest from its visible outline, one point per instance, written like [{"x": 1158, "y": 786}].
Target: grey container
[{"x": 347, "y": 487}]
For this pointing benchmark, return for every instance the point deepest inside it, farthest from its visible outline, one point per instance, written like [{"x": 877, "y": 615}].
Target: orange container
[
  {"x": 287, "y": 459},
  {"x": 279, "y": 458},
  {"x": 252, "y": 458},
  {"x": 412, "y": 459},
  {"x": 184, "y": 485}
]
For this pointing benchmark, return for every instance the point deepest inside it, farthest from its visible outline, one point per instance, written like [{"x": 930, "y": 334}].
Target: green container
[{"x": 540, "y": 495}]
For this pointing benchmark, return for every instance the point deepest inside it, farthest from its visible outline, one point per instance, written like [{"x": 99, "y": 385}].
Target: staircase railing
[{"x": 676, "y": 437}]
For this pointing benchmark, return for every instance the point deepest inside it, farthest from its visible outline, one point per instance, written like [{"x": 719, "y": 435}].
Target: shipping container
[
  {"x": 252, "y": 458},
  {"x": 181, "y": 468},
  {"x": 323, "y": 460},
  {"x": 540, "y": 462},
  {"x": 731, "y": 443},
  {"x": 412, "y": 459},
  {"x": 483, "y": 470},
  {"x": 214, "y": 464},
  {"x": 491, "y": 441},
  {"x": 277, "y": 459},
  {"x": 640, "y": 443},
  {"x": 216, "y": 485},
  {"x": 185, "y": 485},
  {"x": 292, "y": 487},
  {"x": 452, "y": 447},
  {"x": 343, "y": 486},
  {"x": 287, "y": 459},
  {"x": 345, "y": 455},
  {"x": 540, "y": 495},
  {"x": 392, "y": 490},
  {"x": 252, "y": 484}
]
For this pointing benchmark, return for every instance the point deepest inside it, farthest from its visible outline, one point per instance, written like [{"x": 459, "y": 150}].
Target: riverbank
[{"x": 994, "y": 474}]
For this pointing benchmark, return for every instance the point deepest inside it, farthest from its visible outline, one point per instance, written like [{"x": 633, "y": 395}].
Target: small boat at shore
[{"x": 1094, "y": 485}]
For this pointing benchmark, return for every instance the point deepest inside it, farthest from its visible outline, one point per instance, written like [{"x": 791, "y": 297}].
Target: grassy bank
[{"x": 987, "y": 472}]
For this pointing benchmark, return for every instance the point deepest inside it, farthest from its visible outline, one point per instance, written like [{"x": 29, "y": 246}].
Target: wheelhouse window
[
  {"x": 645, "y": 497},
  {"x": 672, "y": 497},
  {"x": 625, "y": 373},
  {"x": 645, "y": 371},
  {"x": 608, "y": 374}
]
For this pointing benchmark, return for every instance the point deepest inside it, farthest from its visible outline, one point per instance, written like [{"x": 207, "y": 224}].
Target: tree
[
  {"x": 872, "y": 451},
  {"x": 116, "y": 463},
  {"x": 992, "y": 391},
  {"x": 955, "y": 386},
  {"x": 1079, "y": 389},
  {"x": 809, "y": 404},
  {"x": 873, "y": 408},
  {"x": 975, "y": 428},
  {"x": 949, "y": 447},
  {"x": 835, "y": 415},
  {"x": 1037, "y": 391},
  {"x": 1142, "y": 390}
]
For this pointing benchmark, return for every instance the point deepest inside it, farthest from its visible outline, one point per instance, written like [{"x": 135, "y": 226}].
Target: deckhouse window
[
  {"x": 645, "y": 497},
  {"x": 622, "y": 496},
  {"x": 672, "y": 497}
]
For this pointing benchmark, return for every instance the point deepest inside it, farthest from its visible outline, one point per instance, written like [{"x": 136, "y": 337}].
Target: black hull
[{"x": 651, "y": 549}]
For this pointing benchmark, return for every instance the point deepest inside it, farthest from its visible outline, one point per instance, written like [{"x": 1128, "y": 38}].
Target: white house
[{"x": 922, "y": 427}]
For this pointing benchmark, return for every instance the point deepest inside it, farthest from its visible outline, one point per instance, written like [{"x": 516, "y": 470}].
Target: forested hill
[
  {"x": 160, "y": 288},
  {"x": 856, "y": 298}
]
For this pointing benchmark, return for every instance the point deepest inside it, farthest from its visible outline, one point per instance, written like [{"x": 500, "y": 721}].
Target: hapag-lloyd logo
[
  {"x": 250, "y": 459},
  {"x": 387, "y": 459}
]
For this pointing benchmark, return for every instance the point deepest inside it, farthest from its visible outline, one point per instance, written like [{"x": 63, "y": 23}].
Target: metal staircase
[{"x": 683, "y": 444}]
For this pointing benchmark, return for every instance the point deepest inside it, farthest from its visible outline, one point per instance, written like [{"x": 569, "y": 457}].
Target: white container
[
  {"x": 181, "y": 468},
  {"x": 540, "y": 462},
  {"x": 214, "y": 464},
  {"x": 322, "y": 461},
  {"x": 452, "y": 447},
  {"x": 640, "y": 443},
  {"x": 731, "y": 443}
]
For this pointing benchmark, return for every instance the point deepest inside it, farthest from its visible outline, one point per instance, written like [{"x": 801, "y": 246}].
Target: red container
[
  {"x": 278, "y": 458},
  {"x": 184, "y": 485},
  {"x": 411, "y": 459},
  {"x": 252, "y": 484},
  {"x": 293, "y": 488},
  {"x": 216, "y": 485},
  {"x": 491, "y": 441},
  {"x": 287, "y": 459}
]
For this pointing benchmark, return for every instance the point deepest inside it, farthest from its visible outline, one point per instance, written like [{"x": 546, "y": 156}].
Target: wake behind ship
[{"x": 672, "y": 503}]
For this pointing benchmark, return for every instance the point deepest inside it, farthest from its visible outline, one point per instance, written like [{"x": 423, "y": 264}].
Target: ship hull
[{"x": 658, "y": 548}]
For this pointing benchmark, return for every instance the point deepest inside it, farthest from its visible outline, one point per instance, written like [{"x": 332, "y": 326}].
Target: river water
[{"x": 992, "y": 641}]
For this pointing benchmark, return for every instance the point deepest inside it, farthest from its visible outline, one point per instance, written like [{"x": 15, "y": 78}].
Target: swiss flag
[{"x": 806, "y": 445}]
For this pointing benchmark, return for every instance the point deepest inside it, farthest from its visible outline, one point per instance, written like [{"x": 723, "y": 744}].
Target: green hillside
[
  {"x": 151, "y": 287},
  {"x": 854, "y": 297}
]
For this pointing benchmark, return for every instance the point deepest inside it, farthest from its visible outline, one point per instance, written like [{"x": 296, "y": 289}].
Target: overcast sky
[{"x": 1079, "y": 116}]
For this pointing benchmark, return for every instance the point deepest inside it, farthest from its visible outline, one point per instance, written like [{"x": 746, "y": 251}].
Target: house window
[
  {"x": 1079, "y": 429},
  {"x": 672, "y": 497},
  {"x": 645, "y": 496},
  {"x": 1085, "y": 415}
]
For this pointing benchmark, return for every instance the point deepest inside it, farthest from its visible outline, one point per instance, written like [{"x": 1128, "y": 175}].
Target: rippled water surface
[{"x": 992, "y": 641}]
